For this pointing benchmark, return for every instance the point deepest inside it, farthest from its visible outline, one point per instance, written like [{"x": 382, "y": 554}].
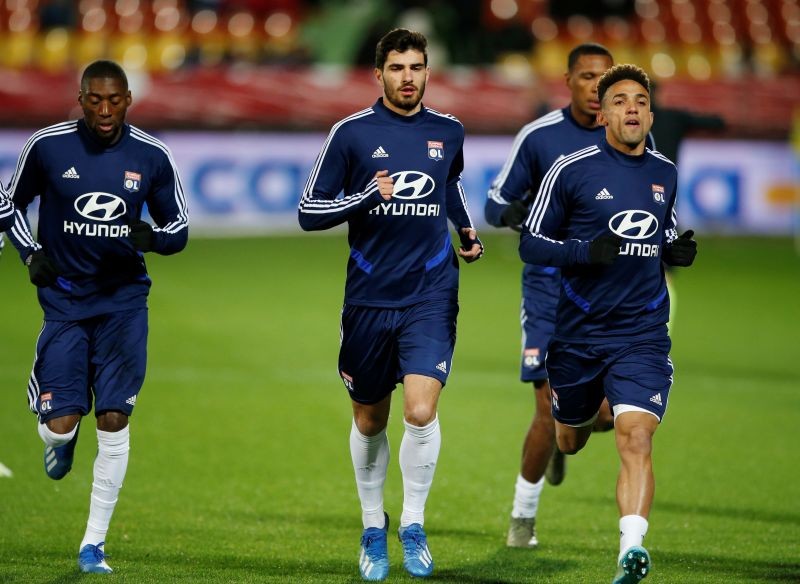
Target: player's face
[
  {"x": 403, "y": 78},
  {"x": 582, "y": 82},
  {"x": 626, "y": 115},
  {"x": 105, "y": 102}
]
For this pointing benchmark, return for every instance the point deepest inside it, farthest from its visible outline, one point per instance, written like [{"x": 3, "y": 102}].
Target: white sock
[
  {"x": 632, "y": 529},
  {"x": 109, "y": 472},
  {"x": 526, "y": 497},
  {"x": 55, "y": 440},
  {"x": 370, "y": 456},
  {"x": 419, "y": 451}
]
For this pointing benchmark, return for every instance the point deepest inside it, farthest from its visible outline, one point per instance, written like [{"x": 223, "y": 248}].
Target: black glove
[
  {"x": 142, "y": 235},
  {"x": 41, "y": 269},
  {"x": 467, "y": 242},
  {"x": 681, "y": 251},
  {"x": 604, "y": 250},
  {"x": 514, "y": 214}
]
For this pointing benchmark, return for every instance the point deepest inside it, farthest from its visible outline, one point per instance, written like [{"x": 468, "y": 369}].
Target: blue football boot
[
  {"x": 417, "y": 558},
  {"x": 92, "y": 559},
  {"x": 373, "y": 563}
]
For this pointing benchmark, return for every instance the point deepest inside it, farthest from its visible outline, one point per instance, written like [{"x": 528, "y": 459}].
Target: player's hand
[
  {"x": 141, "y": 235},
  {"x": 514, "y": 214},
  {"x": 471, "y": 247},
  {"x": 682, "y": 251},
  {"x": 41, "y": 269},
  {"x": 604, "y": 250},
  {"x": 385, "y": 184}
]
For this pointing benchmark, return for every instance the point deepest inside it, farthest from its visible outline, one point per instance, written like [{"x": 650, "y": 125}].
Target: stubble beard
[{"x": 406, "y": 104}]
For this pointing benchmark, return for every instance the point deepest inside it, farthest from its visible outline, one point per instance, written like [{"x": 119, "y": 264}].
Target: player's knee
[
  {"x": 420, "y": 414},
  {"x": 636, "y": 441},
  {"x": 569, "y": 447},
  {"x": 570, "y": 443},
  {"x": 111, "y": 421}
]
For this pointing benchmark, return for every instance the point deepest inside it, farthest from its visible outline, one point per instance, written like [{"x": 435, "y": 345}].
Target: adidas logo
[
  {"x": 656, "y": 399},
  {"x": 71, "y": 173},
  {"x": 380, "y": 153},
  {"x": 442, "y": 366},
  {"x": 131, "y": 401},
  {"x": 604, "y": 195}
]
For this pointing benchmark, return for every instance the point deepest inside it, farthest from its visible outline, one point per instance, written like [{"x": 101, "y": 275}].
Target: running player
[
  {"x": 606, "y": 216},
  {"x": 399, "y": 164},
  {"x": 536, "y": 147},
  {"x": 93, "y": 177}
]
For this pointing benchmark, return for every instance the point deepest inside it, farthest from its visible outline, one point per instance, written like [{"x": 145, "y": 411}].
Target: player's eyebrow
[{"x": 636, "y": 95}]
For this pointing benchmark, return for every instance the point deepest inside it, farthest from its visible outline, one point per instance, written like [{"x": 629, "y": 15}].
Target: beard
[{"x": 401, "y": 102}]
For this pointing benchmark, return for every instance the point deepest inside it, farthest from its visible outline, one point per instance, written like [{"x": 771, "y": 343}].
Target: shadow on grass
[
  {"x": 738, "y": 513},
  {"x": 733, "y": 567}
]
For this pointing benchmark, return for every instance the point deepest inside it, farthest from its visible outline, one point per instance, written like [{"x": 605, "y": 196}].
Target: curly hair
[{"x": 619, "y": 73}]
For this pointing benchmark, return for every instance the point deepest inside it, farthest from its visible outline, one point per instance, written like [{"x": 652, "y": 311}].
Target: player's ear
[
  {"x": 378, "y": 75},
  {"x": 128, "y": 98},
  {"x": 80, "y": 97}
]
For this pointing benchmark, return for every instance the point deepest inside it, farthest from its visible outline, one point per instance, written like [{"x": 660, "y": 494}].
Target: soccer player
[
  {"x": 536, "y": 147},
  {"x": 93, "y": 177},
  {"x": 399, "y": 166},
  {"x": 606, "y": 216}
]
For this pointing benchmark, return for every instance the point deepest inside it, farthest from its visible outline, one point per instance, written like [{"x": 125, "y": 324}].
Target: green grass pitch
[{"x": 240, "y": 469}]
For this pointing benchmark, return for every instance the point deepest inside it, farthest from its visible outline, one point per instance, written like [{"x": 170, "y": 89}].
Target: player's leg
[
  {"x": 537, "y": 451},
  {"x": 419, "y": 448},
  {"x": 576, "y": 392},
  {"x": 119, "y": 355},
  {"x": 369, "y": 452},
  {"x": 637, "y": 385},
  {"x": 540, "y": 459},
  {"x": 61, "y": 368},
  {"x": 635, "y": 487},
  {"x": 426, "y": 340},
  {"x": 368, "y": 368},
  {"x": 419, "y": 454},
  {"x": 605, "y": 418}
]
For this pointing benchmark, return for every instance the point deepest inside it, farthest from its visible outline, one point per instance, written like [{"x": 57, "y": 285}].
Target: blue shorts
[
  {"x": 541, "y": 288},
  {"x": 635, "y": 374},
  {"x": 382, "y": 345},
  {"x": 103, "y": 356}
]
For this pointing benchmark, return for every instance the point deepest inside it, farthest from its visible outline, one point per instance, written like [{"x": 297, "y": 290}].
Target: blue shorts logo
[
  {"x": 531, "y": 358},
  {"x": 132, "y": 181},
  {"x": 435, "y": 150},
  {"x": 347, "y": 380},
  {"x": 45, "y": 402}
]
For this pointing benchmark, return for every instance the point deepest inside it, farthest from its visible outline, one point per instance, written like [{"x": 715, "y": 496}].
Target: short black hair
[
  {"x": 619, "y": 73},
  {"x": 400, "y": 40},
  {"x": 102, "y": 69},
  {"x": 586, "y": 49}
]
